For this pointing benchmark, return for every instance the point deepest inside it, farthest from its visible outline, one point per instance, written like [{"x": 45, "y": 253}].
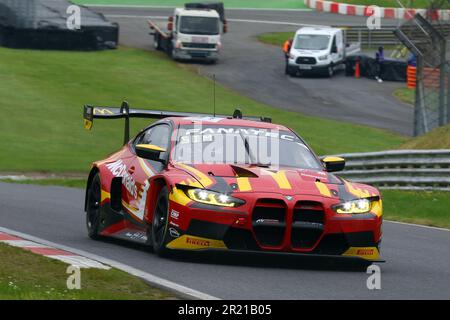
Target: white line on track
[
  {"x": 173, "y": 7},
  {"x": 417, "y": 225},
  {"x": 126, "y": 16},
  {"x": 181, "y": 290}
]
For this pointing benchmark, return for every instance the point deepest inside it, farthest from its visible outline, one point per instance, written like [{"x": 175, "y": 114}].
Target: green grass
[
  {"x": 427, "y": 208},
  {"x": 69, "y": 183},
  {"x": 28, "y": 276},
  {"x": 275, "y": 4},
  {"x": 394, "y": 3},
  {"x": 276, "y": 38},
  {"x": 43, "y": 93},
  {"x": 406, "y": 95},
  {"x": 438, "y": 138}
]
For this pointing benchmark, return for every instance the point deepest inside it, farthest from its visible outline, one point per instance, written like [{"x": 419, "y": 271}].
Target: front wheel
[
  {"x": 93, "y": 208},
  {"x": 159, "y": 224},
  {"x": 329, "y": 71}
]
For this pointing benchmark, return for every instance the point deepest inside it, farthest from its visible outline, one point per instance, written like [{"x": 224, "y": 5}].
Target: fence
[{"x": 403, "y": 169}]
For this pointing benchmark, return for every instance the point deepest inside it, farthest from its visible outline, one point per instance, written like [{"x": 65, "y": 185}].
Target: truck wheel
[{"x": 330, "y": 71}]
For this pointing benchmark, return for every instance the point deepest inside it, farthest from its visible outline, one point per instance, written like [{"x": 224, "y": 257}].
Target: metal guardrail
[
  {"x": 383, "y": 36},
  {"x": 400, "y": 169}
]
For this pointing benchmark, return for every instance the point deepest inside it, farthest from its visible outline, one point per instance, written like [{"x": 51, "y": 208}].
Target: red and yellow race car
[{"x": 201, "y": 182}]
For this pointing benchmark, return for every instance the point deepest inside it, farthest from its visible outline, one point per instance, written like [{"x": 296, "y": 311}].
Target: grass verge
[
  {"x": 405, "y": 95},
  {"x": 420, "y": 207},
  {"x": 438, "y": 138},
  {"x": 43, "y": 93},
  {"x": 28, "y": 276},
  {"x": 266, "y": 4}
]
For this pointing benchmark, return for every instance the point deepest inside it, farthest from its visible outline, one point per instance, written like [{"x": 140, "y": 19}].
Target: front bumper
[
  {"x": 201, "y": 227},
  {"x": 195, "y": 54}
]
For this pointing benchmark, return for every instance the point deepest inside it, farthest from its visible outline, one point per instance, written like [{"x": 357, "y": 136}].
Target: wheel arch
[
  {"x": 92, "y": 173},
  {"x": 157, "y": 184}
]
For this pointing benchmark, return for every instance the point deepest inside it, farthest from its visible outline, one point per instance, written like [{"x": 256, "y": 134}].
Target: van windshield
[
  {"x": 312, "y": 42},
  {"x": 199, "y": 25}
]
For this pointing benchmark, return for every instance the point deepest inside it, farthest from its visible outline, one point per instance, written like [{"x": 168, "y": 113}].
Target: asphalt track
[
  {"x": 417, "y": 258},
  {"x": 257, "y": 70}
]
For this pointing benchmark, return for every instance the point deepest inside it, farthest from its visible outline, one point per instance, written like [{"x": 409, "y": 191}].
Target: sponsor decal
[
  {"x": 289, "y": 198},
  {"x": 176, "y": 225},
  {"x": 136, "y": 236},
  {"x": 174, "y": 233},
  {"x": 364, "y": 252},
  {"x": 197, "y": 242},
  {"x": 174, "y": 214},
  {"x": 119, "y": 169},
  {"x": 267, "y": 221}
]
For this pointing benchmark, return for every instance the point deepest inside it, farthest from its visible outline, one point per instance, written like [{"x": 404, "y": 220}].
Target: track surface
[
  {"x": 257, "y": 70},
  {"x": 417, "y": 258}
]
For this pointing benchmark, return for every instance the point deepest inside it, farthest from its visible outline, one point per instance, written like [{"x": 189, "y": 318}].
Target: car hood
[{"x": 239, "y": 178}]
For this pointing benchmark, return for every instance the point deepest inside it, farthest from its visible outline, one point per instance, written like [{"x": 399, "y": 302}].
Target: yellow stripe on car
[
  {"x": 280, "y": 178},
  {"x": 323, "y": 189},
  {"x": 104, "y": 195},
  {"x": 356, "y": 191},
  {"x": 178, "y": 196},
  {"x": 244, "y": 184},
  {"x": 201, "y": 177}
]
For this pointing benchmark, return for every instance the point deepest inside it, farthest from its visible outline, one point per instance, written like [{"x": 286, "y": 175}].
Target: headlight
[
  {"x": 213, "y": 198},
  {"x": 354, "y": 206},
  {"x": 325, "y": 57}
]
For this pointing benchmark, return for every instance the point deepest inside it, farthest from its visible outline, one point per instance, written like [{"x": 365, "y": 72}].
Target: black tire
[
  {"x": 93, "y": 208},
  {"x": 159, "y": 234},
  {"x": 329, "y": 71}
]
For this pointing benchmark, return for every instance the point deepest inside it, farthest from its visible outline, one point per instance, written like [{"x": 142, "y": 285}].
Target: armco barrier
[{"x": 400, "y": 169}]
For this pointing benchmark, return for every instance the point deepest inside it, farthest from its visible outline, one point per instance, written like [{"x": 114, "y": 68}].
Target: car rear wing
[{"x": 124, "y": 112}]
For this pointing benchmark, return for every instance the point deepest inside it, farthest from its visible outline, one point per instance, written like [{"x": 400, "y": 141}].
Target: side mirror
[
  {"x": 149, "y": 152},
  {"x": 334, "y": 164}
]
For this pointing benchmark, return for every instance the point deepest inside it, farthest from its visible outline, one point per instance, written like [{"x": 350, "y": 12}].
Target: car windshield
[
  {"x": 199, "y": 25},
  {"x": 242, "y": 145},
  {"x": 312, "y": 42}
]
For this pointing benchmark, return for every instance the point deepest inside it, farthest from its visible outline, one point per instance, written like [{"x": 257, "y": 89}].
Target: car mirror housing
[
  {"x": 149, "y": 152},
  {"x": 334, "y": 164}
]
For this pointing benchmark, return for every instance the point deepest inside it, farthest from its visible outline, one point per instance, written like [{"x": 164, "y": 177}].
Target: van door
[{"x": 334, "y": 52}]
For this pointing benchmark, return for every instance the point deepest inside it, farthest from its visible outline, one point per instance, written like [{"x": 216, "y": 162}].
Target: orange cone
[{"x": 357, "y": 70}]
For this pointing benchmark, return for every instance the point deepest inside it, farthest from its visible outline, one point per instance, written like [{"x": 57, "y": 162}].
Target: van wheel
[{"x": 330, "y": 71}]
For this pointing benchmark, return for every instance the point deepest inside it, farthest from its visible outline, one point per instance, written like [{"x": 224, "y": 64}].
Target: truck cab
[
  {"x": 196, "y": 34},
  {"x": 317, "y": 50}
]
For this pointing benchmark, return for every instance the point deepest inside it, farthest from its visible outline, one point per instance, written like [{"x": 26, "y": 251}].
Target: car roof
[{"x": 215, "y": 121}]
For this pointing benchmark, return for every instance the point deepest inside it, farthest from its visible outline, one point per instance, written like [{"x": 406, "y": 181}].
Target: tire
[
  {"x": 329, "y": 72},
  {"x": 93, "y": 208},
  {"x": 159, "y": 234}
]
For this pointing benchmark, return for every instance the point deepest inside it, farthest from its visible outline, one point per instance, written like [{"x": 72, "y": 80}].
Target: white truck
[
  {"x": 193, "y": 32},
  {"x": 318, "y": 50}
]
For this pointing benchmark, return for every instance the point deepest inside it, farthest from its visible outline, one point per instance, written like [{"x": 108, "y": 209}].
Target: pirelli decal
[
  {"x": 188, "y": 242},
  {"x": 368, "y": 253}
]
